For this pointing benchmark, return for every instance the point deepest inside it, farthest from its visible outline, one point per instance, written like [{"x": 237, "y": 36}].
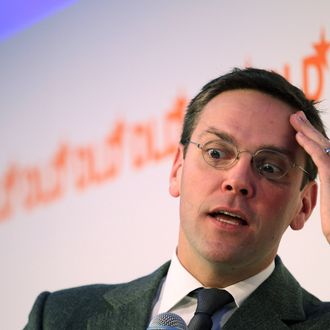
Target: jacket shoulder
[
  {"x": 317, "y": 313},
  {"x": 76, "y": 305},
  {"x": 51, "y": 309}
]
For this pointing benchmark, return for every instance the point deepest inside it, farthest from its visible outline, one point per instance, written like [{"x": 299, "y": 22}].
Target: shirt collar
[
  {"x": 241, "y": 290},
  {"x": 179, "y": 283}
]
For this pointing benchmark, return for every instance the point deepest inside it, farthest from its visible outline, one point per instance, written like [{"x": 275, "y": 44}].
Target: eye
[
  {"x": 215, "y": 154},
  {"x": 219, "y": 154},
  {"x": 271, "y": 165},
  {"x": 272, "y": 169}
]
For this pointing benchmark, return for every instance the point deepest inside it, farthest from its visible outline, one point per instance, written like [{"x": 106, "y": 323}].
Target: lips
[{"x": 229, "y": 217}]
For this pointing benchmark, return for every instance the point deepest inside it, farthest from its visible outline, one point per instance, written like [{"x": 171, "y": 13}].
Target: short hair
[{"x": 268, "y": 82}]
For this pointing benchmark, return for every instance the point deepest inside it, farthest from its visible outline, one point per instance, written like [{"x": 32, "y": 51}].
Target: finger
[
  {"x": 301, "y": 124},
  {"x": 313, "y": 148},
  {"x": 310, "y": 139}
]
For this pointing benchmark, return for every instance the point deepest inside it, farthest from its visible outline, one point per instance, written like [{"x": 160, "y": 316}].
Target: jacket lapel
[
  {"x": 275, "y": 304},
  {"x": 130, "y": 304}
]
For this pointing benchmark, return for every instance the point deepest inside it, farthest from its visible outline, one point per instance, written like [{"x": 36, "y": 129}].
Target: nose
[{"x": 240, "y": 178}]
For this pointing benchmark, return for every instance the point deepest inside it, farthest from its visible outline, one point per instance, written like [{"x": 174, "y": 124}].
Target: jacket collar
[
  {"x": 130, "y": 304},
  {"x": 274, "y": 304}
]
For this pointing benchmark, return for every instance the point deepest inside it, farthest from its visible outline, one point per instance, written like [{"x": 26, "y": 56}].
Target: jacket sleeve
[{"x": 35, "y": 321}]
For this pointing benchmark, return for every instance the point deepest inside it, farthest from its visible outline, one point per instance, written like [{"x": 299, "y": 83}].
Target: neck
[{"x": 218, "y": 274}]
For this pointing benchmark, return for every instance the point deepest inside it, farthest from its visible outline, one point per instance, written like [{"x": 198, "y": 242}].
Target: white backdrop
[{"x": 90, "y": 108}]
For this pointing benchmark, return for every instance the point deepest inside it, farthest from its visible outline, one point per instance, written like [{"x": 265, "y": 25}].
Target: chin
[{"x": 223, "y": 258}]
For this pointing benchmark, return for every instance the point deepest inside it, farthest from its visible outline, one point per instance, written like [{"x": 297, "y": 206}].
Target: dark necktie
[{"x": 208, "y": 302}]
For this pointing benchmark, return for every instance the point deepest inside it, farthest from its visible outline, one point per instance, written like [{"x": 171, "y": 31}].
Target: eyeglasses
[{"x": 271, "y": 164}]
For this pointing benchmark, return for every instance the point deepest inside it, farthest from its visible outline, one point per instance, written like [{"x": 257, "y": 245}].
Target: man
[{"x": 245, "y": 171}]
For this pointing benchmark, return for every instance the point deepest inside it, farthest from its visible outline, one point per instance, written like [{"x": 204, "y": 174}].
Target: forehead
[{"x": 250, "y": 117}]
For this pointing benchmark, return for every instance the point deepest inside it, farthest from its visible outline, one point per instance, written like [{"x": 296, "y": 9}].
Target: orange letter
[
  {"x": 308, "y": 64},
  {"x": 9, "y": 182}
]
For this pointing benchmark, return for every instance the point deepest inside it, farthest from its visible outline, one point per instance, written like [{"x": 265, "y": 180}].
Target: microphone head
[{"x": 167, "y": 321}]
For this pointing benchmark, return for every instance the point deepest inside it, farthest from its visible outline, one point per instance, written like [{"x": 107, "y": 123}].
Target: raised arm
[{"x": 318, "y": 147}]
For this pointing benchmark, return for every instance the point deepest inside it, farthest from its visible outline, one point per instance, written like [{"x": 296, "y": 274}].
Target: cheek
[
  {"x": 195, "y": 188},
  {"x": 197, "y": 182},
  {"x": 277, "y": 206}
]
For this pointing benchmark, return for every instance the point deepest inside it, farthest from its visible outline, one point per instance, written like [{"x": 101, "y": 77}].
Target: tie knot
[
  {"x": 211, "y": 300},
  {"x": 208, "y": 302}
]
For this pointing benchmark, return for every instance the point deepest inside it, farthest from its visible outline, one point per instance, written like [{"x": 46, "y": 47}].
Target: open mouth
[{"x": 228, "y": 217}]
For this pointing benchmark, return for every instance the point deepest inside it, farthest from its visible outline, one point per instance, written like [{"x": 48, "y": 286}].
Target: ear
[
  {"x": 175, "y": 175},
  {"x": 308, "y": 202}
]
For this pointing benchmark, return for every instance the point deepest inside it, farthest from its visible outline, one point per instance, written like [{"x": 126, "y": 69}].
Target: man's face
[{"x": 234, "y": 218}]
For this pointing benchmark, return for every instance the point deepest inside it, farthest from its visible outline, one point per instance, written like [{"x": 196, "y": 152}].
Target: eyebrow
[
  {"x": 230, "y": 139},
  {"x": 220, "y": 134}
]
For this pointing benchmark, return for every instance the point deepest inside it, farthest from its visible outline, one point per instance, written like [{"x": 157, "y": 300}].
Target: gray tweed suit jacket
[{"x": 279, "y": 303}]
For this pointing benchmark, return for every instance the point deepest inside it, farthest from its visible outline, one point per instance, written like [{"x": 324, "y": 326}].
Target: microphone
[{"x": 167, "y": 321}]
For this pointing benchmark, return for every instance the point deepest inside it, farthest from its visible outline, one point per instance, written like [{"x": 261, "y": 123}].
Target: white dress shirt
[{"x": 173, "y": 295}]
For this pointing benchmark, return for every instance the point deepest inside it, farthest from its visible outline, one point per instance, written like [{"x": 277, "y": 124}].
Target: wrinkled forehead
[{"x": 252, "y": 119}]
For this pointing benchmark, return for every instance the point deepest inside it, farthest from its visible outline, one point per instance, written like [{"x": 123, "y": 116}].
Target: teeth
[
  {"x": 230, "y": 214},
  {"x": 230, "y": 222},
  {"x": 229, "y": 217}
]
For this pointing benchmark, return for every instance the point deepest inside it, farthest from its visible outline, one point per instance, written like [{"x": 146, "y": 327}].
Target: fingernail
[{"x": 301, "y": 116}]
